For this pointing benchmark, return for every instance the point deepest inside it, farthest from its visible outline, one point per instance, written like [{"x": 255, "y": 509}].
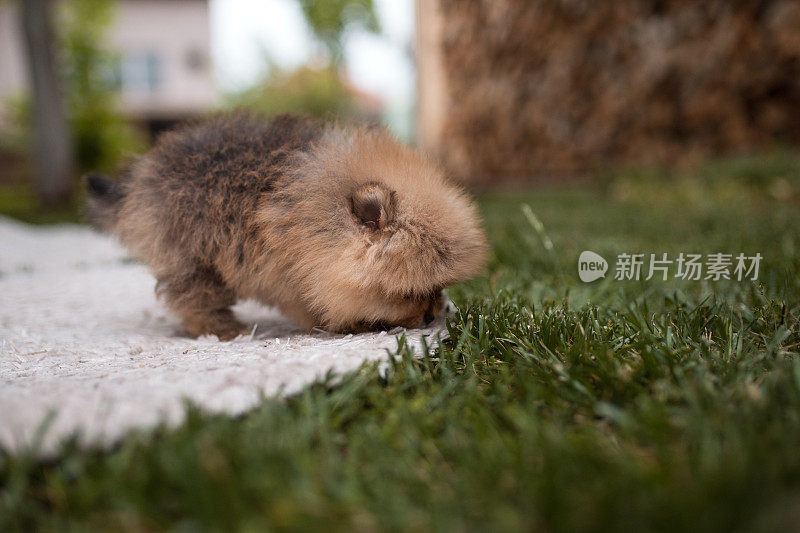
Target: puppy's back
[
  {"x": 216, "y": 171},
  {"x": 197, "y": 190}
]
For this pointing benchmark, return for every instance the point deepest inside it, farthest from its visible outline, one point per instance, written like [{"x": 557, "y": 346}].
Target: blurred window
[{"x": 140, "y": 72}]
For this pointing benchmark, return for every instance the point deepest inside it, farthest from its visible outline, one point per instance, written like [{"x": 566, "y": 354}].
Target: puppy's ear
[{"x": 373, "y": 205}]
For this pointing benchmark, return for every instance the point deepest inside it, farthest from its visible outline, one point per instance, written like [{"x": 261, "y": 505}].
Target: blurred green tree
[
  {"x": 329, "y": 19},
  {"x": 315, "y": 91},
  {"x": 318, "y": 91},
  {"x": 102, "y": 136}
]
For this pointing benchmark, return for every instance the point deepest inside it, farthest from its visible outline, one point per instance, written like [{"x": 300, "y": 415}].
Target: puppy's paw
[
  {"x": 230, "y": 331},
  {"x": 221, "y": 323}
]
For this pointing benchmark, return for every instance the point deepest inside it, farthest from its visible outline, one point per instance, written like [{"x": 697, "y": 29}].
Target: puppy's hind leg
[{"x": 202, "y": 300}]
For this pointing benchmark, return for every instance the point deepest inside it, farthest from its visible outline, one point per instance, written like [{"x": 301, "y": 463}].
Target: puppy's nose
[{"x": 428, "y": 318}]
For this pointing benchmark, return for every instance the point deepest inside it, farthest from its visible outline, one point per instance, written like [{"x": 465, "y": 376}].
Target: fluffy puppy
[{"x": 342, "y": 228}]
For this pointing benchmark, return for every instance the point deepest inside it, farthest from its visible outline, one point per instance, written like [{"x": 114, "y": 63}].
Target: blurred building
[
  {"x": 527, "y": 89},
  {"x": 164, "y": 73}
]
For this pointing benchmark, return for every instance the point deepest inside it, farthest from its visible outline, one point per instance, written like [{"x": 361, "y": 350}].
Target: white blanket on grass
[{"x": 83, "y": 338}]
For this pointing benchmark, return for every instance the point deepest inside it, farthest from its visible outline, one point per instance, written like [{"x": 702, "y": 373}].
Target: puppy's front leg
[{"x": 202, "y": 301}]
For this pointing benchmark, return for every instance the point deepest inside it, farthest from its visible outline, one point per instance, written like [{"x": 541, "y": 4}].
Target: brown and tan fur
[{"x": 342, "y": 228}]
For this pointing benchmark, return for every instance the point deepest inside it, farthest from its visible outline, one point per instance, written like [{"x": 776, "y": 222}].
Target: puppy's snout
[{"x": 441, "y": 306}]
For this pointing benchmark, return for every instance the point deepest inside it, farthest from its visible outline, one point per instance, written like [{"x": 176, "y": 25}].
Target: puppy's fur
[{"x": 342, "y": 228}]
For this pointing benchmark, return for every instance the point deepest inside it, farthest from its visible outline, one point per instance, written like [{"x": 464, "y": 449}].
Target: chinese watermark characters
[{"x": 686, "y": 266}]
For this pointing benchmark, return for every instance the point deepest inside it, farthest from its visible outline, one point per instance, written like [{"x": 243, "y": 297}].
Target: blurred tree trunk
[{"x": 52, "y": 149}]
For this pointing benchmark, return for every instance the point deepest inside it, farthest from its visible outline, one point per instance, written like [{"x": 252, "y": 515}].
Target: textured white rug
[{"x": 82, "y": 336}]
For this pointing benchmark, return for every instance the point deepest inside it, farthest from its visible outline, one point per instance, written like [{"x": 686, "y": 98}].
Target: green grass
[{"x": 555, "y": 405}]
